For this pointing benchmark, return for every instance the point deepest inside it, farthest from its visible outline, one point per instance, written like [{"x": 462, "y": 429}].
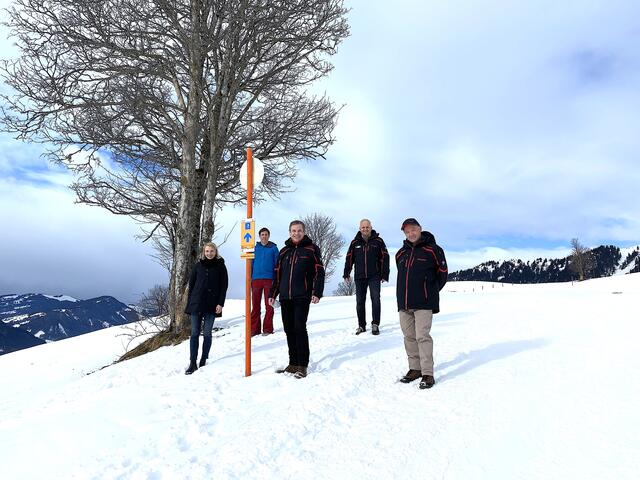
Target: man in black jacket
[
  {"x": 368, "y": 254},
  {"x": 422, "y": 272},
  {"x": 299, "y": 281}
]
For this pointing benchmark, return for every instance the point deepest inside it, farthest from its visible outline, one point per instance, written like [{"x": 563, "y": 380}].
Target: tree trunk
[
  {"x": 189, "y": 209},
  {"x": 208, "y": 226},
  {"x": 215, "y": 147},
  {"x": 186, "y": 252}
]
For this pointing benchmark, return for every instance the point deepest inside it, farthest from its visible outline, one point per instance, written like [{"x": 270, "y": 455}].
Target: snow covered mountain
[
  {"x": 533, "y": 382},
  {"x": 609, "y": 260},
  {"x": 50, "y": 318},
  {"x": 12, "y": 339}
]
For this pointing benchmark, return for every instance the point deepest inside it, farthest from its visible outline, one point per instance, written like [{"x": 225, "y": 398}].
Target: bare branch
[{"x": 321, "y": 229}]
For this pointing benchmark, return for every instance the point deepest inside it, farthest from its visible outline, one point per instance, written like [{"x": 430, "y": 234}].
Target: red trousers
[{"x": 257, "y": 289}]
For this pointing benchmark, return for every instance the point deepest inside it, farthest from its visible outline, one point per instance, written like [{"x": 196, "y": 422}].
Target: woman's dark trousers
[
  {"x": 196, "y": 323},
  {"x": 294, "y": 319}
]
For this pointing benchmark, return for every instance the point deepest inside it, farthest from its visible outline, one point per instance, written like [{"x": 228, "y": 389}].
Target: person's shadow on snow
[
  {"x": 475, "y": 358},
  {"x": 365, "y": 345}
]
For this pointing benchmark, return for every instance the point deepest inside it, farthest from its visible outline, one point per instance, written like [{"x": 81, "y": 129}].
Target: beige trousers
[{"x": 416, "y": 325}]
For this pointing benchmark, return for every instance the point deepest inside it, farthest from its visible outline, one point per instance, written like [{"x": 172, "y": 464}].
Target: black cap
[{"x": 409, "y": 221}]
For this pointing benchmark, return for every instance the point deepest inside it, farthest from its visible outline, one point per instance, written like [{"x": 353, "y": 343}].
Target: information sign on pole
[{"x": 248, "y": 234}]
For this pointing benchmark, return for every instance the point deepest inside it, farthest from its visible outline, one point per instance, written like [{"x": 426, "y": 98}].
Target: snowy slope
[
  {"x": 534, "y": 382},
  {"x": 629, "y": 259}
]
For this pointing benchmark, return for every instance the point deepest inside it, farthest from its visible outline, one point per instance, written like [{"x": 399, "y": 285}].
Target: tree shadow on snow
[
  {"x": 277, "y": 343},
  {"x": 475, "y": 358}
]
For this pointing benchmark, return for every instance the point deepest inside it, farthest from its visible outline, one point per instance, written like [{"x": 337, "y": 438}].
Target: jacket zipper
[
  {"x": 426, "y": 297},
  {"x": 293, "y": 262},
  {"x": 366, "y": 253},
  {"x": 406, "y": 288}
]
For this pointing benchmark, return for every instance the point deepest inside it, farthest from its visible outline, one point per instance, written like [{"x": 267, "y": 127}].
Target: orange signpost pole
[{"x": 247, "y": 304}]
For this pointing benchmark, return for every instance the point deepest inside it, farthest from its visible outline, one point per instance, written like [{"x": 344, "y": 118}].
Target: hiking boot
[
  {"x": 288, "y": 369},
  {"x": 427, "y": 382},
  {"x": 411, "y": 376},
  {"x": 192, "y": 368},
  {"x": 301, "y": 373},
  {"x": 203, "y": 362},
  {"x": 375, "y": 330},
  {"x": 360, "y": 330}
]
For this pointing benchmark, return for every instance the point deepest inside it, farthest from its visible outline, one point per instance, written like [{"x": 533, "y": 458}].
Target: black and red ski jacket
[
  {"x": 369, "y": 258},
  {"x": 422, "y": 272},
  {"x": 299, "y": 271}
]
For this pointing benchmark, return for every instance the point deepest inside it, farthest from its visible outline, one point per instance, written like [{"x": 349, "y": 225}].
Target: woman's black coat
[{"x": 207, "y": 286}]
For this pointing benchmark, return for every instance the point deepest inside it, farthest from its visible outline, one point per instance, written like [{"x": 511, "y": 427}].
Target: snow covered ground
[{"x": 533, "y": 382}]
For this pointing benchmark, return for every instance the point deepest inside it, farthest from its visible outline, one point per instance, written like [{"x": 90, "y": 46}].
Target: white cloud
[
  {"x": 488, "y": 121},
  {"x": 52, "y": 245},
  {"x": 500, "y": 119}
]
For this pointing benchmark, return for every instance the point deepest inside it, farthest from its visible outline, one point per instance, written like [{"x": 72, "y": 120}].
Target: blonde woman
[{"x": 207, "y": 292}]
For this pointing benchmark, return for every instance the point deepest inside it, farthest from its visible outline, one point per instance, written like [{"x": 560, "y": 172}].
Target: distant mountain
[
  {"x": 609, "y": 260},
  {"x": 50, "y": 318},
  {"x": 12, "y": 339}
]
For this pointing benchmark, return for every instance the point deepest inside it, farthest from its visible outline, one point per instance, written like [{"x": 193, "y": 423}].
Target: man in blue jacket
[{"x": 262, "y": 275}]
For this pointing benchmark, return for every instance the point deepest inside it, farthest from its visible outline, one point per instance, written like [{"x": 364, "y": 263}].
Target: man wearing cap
[
  {"x": 370, "y": 259},
  {"x": 422, "y": 272}
]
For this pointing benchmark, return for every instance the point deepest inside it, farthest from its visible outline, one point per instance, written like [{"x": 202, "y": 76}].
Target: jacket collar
[
  {"x": 306, "y": 241},
  {"x": 359, "y": 237},
  {"x": 210, "y": 263},
  {"x": 426, "y": 238}
]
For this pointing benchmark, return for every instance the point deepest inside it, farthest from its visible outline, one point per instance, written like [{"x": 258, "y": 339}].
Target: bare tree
[
  {"x": 164, "y": 246},
  {"x": 156, "y": 300},
  {"x": 152, "y": 102},
  {"x": 322, "y": 230},
  {"x": 581, "y": 261},
  {"x": 346, "y": 288}
]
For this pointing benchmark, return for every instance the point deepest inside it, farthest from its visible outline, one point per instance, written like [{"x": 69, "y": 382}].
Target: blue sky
[{"x": 506, "y": 128}]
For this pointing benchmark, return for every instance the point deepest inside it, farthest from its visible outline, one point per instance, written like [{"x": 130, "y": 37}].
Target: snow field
[{"x": 533, "y": 381}]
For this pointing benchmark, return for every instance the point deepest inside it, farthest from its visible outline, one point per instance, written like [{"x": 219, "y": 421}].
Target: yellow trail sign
[{"x": 248, "y": 234}]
